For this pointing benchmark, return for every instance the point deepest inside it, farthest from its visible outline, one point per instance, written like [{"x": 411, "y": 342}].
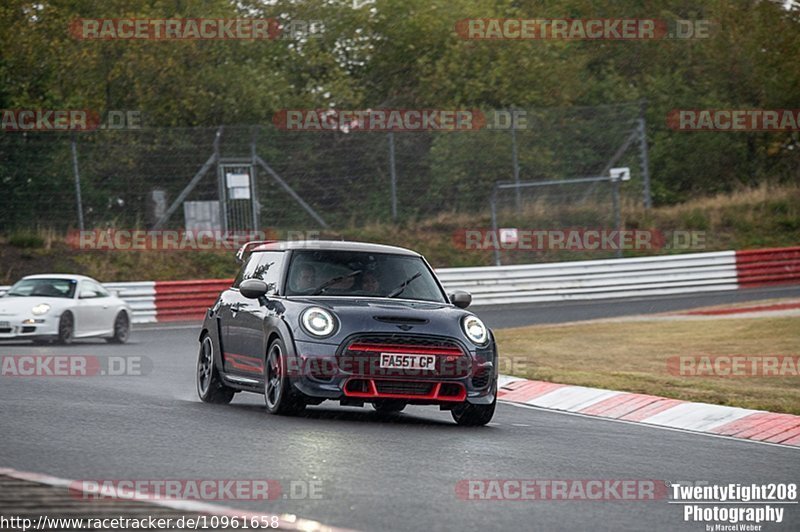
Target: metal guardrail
[
  {"x": 187, "y": 300},
  {"x": 140, "y": 296},
  {"x": 595, "y": 279},
  {"x": 158, "y": 301}
]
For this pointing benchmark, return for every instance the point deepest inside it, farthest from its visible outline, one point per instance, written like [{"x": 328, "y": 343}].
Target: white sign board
[
  {"x": 623, "y": 173},
  {"x": 238, "y": 180}
]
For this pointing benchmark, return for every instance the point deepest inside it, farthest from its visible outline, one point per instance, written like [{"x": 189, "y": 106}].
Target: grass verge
[
  {"x": 765, "y": 216},
  {"x": 632, "y": 356}
]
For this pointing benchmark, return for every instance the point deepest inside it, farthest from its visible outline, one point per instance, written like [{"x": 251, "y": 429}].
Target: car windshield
[
  {"x": 44, "y": 288},
  {"x": 357, "y": 273}
]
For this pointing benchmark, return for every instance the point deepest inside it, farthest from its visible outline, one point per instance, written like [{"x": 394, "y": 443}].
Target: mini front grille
[
  {"x": 405, "y": 388},
  {"x": 360, "y": 355},
  {"x": 404, "y": 339}
]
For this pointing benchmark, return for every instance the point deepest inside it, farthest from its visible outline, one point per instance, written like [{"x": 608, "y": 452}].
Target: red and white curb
[
  {"x": 285, "y": 521},
  {"x": 743, "y": 423}
]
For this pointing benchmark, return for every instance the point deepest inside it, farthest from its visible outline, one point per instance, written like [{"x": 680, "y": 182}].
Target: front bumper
[
  {"x": 329, "y": 371},
  {"x": 18, "y": 327}
]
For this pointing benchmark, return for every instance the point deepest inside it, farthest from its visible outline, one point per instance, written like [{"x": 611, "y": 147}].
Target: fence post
[
  {"x": 255, "y": 205},
  {"x": 77, "y": 182},
  {"x": 617, "y": 214},
  {"x": 645, "y": 158},
  {"x": 515, "y": 161},
  {"x": 221, "y": 185},
  {"x": 495, "y": 235},
  {"x": 393, "y": 174}
]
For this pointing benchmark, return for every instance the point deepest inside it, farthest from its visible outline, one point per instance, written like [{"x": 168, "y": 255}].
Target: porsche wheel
[
  {"x": 122, "y": 329},
  {"x": 66, "y": 328}
]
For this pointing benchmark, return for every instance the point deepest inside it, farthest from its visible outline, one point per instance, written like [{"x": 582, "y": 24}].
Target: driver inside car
[
  {"x": 370, "y": 283},
  {"x": 306, "y": 278}
]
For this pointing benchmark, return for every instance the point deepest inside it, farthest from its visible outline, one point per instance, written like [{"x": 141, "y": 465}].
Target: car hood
[
  {"x": 385, "y": 306},
  {"x": 382, "y": 315},
  {"x": 12, "y": 306}
]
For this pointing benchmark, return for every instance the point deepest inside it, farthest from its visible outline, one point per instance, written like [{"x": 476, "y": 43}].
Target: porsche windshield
[
  {"x": 356, "y": 273},
  {"x": 44, "y": 288}
]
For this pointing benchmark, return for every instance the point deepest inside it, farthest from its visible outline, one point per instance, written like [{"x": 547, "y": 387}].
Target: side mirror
[
  {"x": 253, "y": 288},
  {"x": 461, "y": 299},
  {"x": 86, "y": 294}
]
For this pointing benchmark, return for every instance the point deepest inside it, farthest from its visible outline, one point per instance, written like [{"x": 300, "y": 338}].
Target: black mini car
[{"x": 352, "y": 322}]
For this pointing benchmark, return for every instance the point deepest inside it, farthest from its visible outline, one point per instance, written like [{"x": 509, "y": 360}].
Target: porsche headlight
[
  {"x": 475, "y": 330},
  {"x": 318, "y": 321},
  {"x": 40, "y": 309}
]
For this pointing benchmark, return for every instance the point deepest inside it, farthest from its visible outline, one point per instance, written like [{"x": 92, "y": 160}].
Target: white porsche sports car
[{"x": 62, "y": 307}]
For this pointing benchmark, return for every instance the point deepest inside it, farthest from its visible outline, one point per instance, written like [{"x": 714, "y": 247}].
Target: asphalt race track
[
  {"x": 375, "y": 474},
  {"x": 563, "y": 311}
]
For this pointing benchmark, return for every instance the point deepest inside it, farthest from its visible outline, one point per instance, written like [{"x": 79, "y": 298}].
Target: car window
[
  {"x": 264, "y": 265},
  {"x": 43, "y": 288},
  {"x": 91, "y": 290},
  {"x": 351, "y": 273}
]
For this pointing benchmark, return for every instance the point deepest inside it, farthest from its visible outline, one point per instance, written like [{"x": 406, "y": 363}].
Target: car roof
[
  {"x": 69, "y": 276},
  {"x": 334, "y": 245}
]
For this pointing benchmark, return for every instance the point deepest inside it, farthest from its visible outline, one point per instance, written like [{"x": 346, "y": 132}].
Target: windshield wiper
[
  {"x": 399, "y": 290},
  {"x": 321, "y": 288}
]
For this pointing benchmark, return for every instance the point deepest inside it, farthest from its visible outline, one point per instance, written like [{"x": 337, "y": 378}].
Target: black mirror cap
[
  {"x": 253, "y": 288},
  {"x": 461, "y": 299}
]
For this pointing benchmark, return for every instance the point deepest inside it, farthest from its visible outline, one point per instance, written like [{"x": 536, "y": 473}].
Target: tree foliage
[{"x": 406, "y": 54}]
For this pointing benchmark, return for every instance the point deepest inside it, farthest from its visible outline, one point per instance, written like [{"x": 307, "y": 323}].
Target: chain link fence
[{"x": 304, "y": 180}]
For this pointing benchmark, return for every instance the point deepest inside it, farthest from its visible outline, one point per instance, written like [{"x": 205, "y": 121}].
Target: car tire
[
  {"x": 469, "y": 415},
  {"x": 210, "y": 387},
  {"x": 66, "y": 328},
  {"x": 279, "y": 395},
  {"x": 122, "y": 329},
  {"x": 389, "y": 406}
]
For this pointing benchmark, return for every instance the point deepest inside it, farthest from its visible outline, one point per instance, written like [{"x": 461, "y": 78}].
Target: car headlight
[
  {"x": 318, "y": 321},
  {"x": 40, "y": 309},
  {"x": 475, "y": 330}
]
